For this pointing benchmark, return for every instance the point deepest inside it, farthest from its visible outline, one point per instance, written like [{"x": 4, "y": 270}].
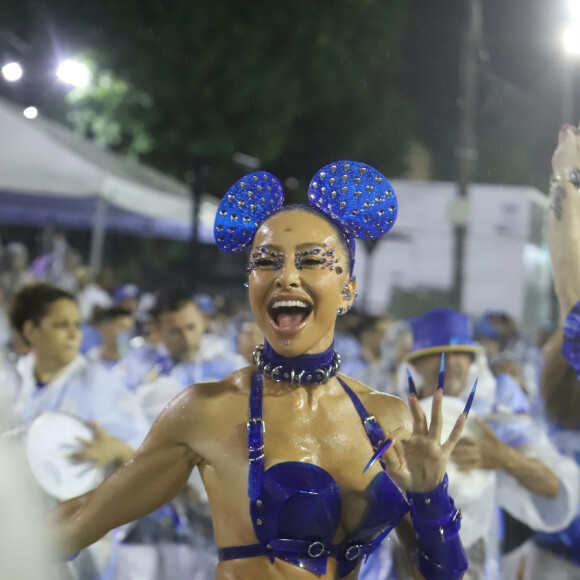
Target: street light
[
  {"x": 571, "y": 42},
  {"x": 12, "y": 72},
  {"x": 572, "y": 38},
  {"x": 74, "y": 73},
  {"x": 30, "y": 112}
]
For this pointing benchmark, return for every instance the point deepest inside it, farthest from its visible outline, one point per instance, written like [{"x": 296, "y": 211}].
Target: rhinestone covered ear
[
  {"x": 355, "y": 195},
  {"x": 244, "y": 207}
]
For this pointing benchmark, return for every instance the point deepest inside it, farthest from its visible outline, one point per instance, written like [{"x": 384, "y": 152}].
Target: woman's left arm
[{"x": 417, "y": 462}]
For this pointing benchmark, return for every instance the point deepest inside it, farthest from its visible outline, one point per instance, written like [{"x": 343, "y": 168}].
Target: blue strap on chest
[
  {"x": 256, "y": 428},
  {"x": 372, "y": 428}
]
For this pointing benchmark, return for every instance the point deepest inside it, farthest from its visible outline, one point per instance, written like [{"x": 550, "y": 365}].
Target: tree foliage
[{"x": 295, "y": 85}]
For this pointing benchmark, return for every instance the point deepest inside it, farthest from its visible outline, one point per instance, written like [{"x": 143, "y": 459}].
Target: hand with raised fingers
[
  {"x": 103, "y": 449},
  {"x": 418, "y": 461}
]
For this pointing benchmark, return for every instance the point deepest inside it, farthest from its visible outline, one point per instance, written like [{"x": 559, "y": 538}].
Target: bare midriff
[{"x": 263, "y": 569}]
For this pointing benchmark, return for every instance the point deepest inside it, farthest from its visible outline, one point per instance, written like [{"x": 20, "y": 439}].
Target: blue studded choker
[{"x": 307, "y": 369}]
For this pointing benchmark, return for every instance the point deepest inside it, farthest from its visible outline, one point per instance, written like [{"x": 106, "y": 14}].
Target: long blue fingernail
[
  {"x": 378, "y": 453},
  {"x": 412, "y": 389},
  {"x": 441, "y": 381},
  {"x": 470, "y": 399}
]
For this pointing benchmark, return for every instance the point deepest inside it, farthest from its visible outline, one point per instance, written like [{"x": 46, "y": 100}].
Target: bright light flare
[
  {"x": 12, "y": 72},
  {"x": 74, "y": 73},
  {"x": 574, "y": 8},
  {"x": 30, "y": 112},
  {"x": 572, "y": 39}
]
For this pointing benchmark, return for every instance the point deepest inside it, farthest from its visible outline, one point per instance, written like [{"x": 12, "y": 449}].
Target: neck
[
  {"x": 46, "y": 371},
  {"x": 307, "y": 369},
  {"x": 110, "y": 352}
]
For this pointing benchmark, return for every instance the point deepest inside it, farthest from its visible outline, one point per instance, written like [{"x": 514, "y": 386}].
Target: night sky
[{"x": 520, "y": 84}]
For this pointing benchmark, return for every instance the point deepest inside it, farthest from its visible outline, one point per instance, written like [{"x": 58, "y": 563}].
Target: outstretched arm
[
  {"x": 152, "y": 477},
  {"x": 560, "y": 388},
  {"x": 490, "y": 452}
]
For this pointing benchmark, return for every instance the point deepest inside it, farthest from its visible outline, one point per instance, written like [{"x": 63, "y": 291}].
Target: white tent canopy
[{"x": 41, "y": 158}]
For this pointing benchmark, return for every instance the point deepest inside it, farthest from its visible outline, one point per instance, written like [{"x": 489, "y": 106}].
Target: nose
[{"x": 288, "y": 275}]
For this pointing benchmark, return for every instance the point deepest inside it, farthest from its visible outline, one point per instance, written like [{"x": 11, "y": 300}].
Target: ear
[
  {"x": 28, "y": 331},
  {"x": 349, "y": 293}
]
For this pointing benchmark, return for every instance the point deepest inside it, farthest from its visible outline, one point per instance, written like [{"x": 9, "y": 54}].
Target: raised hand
[
  {"x": 563, "y": 224},
  {"x": 417, "y": 461}
]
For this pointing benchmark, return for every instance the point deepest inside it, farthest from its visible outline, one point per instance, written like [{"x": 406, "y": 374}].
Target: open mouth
[{"x": 289, "y": 314}]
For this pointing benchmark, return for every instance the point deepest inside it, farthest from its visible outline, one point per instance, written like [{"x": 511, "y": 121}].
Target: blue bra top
[{"x": 296, "y": 506}]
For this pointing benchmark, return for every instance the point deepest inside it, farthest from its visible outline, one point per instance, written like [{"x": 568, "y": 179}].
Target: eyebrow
[{"x": 303, "y": 246}]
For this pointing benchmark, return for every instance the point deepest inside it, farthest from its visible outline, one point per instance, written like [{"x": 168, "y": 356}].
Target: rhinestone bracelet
[{"x": 573, "y": 177}]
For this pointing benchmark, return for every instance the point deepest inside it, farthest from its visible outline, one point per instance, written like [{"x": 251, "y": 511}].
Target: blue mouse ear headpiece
[
  {"x": 244, "y": 207},
  {"x": 357, "y": 198}
]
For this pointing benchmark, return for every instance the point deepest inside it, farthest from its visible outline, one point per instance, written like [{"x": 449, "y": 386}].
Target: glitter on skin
[{"x": 265, "y": 259}]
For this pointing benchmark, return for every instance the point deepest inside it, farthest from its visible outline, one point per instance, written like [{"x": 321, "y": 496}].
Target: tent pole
[{"x": 98, "y": 236}]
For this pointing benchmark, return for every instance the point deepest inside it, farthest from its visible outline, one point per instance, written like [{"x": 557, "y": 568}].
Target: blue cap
[
  {"x": 485, "y": 329},
  {"x": 126, "y": 291},
  {"x": 441, "y": 330},
  {"x": 205, "y": 303}
]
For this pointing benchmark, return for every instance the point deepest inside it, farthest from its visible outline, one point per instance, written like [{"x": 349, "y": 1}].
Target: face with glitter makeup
[{"x": 298, "y": 280}]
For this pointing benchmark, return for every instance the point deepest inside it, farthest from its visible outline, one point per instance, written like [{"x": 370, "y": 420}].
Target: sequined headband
[{"x": 358, "y": 199}]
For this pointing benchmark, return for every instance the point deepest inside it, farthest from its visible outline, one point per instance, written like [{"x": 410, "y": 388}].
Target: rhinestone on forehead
[
  {"x": 238, "y": 205},
  {"x": 365, "y": 204}
]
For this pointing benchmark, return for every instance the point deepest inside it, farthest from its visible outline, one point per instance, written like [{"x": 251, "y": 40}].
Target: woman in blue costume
[{"x": 306, "y": 470}]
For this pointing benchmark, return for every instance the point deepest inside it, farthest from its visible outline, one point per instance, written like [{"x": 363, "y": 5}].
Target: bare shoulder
[
  {"x": 198, "y": 405},
  {"x": 390, "y": 411},
  {"x": 202, "y": 396}
]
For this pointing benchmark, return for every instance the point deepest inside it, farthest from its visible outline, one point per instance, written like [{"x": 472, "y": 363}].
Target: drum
[{"x": 50, "y": 441}]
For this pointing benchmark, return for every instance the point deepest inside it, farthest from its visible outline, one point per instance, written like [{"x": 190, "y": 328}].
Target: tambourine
[{"x": 50, "y": 441}]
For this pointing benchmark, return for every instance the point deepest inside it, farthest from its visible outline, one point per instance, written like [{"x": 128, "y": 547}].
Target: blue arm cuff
[
  {"x": 571, "y": 346},
  {"x": 438, "y": 552},
  {"x": 432, "y": 504}
]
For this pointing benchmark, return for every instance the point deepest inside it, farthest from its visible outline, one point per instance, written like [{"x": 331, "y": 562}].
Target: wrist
[
  {"x": 118, "y": 451},
  {"x": 507, "y": 458},
  {"x": 432, "y": 504},
  {"x": 566, "y": 177},
  {"x": 124, "y": 451}
]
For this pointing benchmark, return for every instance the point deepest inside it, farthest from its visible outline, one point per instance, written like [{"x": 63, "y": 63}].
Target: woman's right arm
[{"x": 151, "y": 478}]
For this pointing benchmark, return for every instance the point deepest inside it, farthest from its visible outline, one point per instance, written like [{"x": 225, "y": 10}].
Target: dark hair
[
  {"x": 312, "y": 210},
  {"x": 364, "y": 323},
  {"x": 170, "y": 300},
  {"x": 32, "y": 303},
  {"x": 110, "y": 314}
]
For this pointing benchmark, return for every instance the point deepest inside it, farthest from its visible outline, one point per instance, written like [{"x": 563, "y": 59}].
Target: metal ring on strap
[
  {"x": 352, "y": 553},
  {"x": 276, "y": 371},
  {"x": 316, "y": 549}
]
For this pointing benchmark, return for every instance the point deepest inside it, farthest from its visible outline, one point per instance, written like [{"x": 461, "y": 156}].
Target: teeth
[{"x": 290, "y": 304}]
